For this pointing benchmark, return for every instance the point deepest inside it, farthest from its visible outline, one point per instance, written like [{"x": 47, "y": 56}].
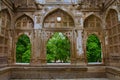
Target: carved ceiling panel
[
  {"x": 24, "y": 22},
  {"x": 93, "y": 23},
  {"x": 24, "y": 3},
  {"x": 58, "y": 19}
]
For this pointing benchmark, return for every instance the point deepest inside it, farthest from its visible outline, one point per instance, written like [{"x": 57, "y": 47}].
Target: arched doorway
[
  {"x": 113, "y": 36},
  {"x": 58, "y": 49},
  {"x": 93, "y": 27},
  {"x": 23, "y": 49},
  {"x": 93, "y": 49},
  {"x": 59, "y": 21},
  {"x": 23, "y": 25}
]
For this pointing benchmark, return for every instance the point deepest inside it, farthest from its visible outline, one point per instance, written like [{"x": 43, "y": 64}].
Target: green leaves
[
  {"x": 93, "y": 49},
  {"x": 23, "y": 49},
  {"x": 58, "y": 49}
]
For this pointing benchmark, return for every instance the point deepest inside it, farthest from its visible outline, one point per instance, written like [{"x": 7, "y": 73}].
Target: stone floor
[{"x": 66, "y": 79}]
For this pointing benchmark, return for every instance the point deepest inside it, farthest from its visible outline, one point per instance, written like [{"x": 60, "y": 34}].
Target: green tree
[
  {"x": 58, "y": 48},
  {"x": 23, "y": 49},
  {"x": 93, "y": 49}
]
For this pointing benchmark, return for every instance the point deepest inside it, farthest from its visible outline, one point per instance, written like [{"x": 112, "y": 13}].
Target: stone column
[
  {"x": 38, "y": 48},
  {"x": 80, "y": 57},
  {"x": 73, "y": 48},
  {"x": 43, "y": 48}
]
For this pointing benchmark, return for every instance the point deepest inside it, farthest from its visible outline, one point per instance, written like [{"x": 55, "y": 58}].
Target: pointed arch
[
  {"x": 112, "y": 9},
  {"x": 63, "y": 10},
  {"x": 64, "y": 17},
  {"x": 7, "y": 11},
  {"x": 111, "y": 17},
  {"x": 93, "y": 14},
  {"x": 93, "y": 49},
  {"x": 23, "y": 33},
  {"x": 23, "y": 49},
  {"x": 93, "y": 22},
  {"x": 24, "y": 22},
  {"x": 113, "y": 33},
  {"x": 58, "y": 48},
  {"x": 23, "y": 14}
]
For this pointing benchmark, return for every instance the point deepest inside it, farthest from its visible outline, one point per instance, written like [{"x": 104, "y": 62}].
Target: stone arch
[
  {"x": 50, "y": 34},
  {"x": 24, "y": 22},
  {"x": 92, "y": 19},
  {"x": 25, "y": 33},
  {"x": 110, "y": 12},
  {"x": 55, "y": 9},
  {"x": 113, "y": 31},
  {"x": 94, "y": 33},
  {"x": 99, "y": 44},
  {"x": 113, "y": 9},
  {"x": 58, "y": 13},
  {"x": 30, "y": 55},
  {"x": 92, "y": 14},
  {"x": 22, "y": 14},
  {"x": 93, "y": 25},
  {"x": 65, "y": 36},
  {"x": 100, "y": 39}
]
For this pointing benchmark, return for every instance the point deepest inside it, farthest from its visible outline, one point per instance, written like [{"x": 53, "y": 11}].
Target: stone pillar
[
  {"x": 43, "y": 48},
  {"x": 80, "y": 57},
  {"x": 73, "y": 48},
  {"x": 38, "y": 48}
]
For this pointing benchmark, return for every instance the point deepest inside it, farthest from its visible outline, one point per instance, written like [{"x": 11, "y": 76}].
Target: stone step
[{"x": 67, "y": 79}]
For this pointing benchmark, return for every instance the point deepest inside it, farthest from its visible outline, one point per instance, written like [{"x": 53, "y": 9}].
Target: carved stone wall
[
  {"x": 23, "y": 25},
  {"x": 24, "y": 22},
  {"x": 93, "y": 25},
  {"x": 4, "y": 30},
  {"x": 58, "y": 19},
  {"x": 41, "y": 20},
  {"x": 113, "y": 29}
]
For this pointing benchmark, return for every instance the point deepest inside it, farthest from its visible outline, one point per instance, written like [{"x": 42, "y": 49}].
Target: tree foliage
[
  {"x": 93, "y": 49},
  {"x": 23, "y": 49},
  {"x": 58, "y": 49}
]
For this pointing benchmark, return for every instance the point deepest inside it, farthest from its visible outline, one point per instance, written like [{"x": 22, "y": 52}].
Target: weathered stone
[{"x": 40, "y": 19}]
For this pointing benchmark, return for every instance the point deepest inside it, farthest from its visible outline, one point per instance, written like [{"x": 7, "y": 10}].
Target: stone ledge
[
  {"x": 113, "y": 70},
  {"x": 49, "y": 69},
  {"x": 67, "y": 79},
  {"x": 113, "y": 73},
  {"x": 49, "y": 72},
  {"x": 3, "y": 70}
]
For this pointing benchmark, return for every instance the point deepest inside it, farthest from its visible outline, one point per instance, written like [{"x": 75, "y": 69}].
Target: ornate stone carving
[
  {"x": 58, "y": 19},
  {"x": 24, "y": 22},
  {"x": 113, "y": 35},
  {"x": 24, "y": 4}
]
